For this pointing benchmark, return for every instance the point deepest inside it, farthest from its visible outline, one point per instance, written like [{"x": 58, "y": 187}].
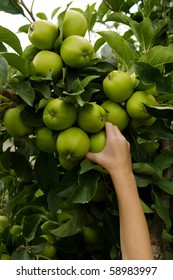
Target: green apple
[
  {"x": 73, "y": 142},
  {"x": 116, "y": 114},
  {"x": 4, "y": 222},
  {"x": 136, "y": 124},
  {"x": 14, "y": 124},
  {"x": 76, "y": 51},
  {"x": 91, "y": 234},
  {"x": 45, "y": 140},
  {"x": 118, "y": 86},
  {"x": 5, "y": 256},
  {"x": 42, "y": 34},
  {"x": 48, "y": 251},
  {"x": 68, "y": 163},
  {"x": 48, "y": 63},
  {"x": 74, "y": 24},
  {"x": 97, "y": 141},
  {"x": 91, "y": 117},
  {"x": 59, "y": 114},
  {"x": 148, "y": 146},
  {"x": 135, "y": 105}
]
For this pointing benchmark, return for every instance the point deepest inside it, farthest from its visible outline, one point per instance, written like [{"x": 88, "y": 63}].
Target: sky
[{"x": 13, "y": 22}]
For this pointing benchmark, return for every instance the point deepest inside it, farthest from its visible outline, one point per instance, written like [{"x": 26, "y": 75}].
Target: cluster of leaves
[{"x": 34, "y": 186}]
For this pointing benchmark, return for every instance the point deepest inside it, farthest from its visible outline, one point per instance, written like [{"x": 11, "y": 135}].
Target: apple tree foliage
[{"x": 37, "y": 195}]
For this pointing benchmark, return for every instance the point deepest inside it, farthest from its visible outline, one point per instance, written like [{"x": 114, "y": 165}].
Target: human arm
[{"x": 116, "y": 158}]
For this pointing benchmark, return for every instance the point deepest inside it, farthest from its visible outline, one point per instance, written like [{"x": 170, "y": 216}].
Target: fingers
[{"x": 112, "y": 129}]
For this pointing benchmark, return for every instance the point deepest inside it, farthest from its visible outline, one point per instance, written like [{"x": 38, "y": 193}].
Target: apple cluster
[{"x": 70, "y": 129}]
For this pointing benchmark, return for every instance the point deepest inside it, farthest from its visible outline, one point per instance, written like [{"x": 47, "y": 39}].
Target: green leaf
[
  {"x": 30, "y": 226},
  {"x": 149, "y": 6},
  {"x": 120, "y": 46},
  {"x": 46, "y": 171},
  {"x": 165, "y": 184},
  {"x": 119, "y": 17},
  {"x": 25, "y": 91},
  {"x": 21, "y": 166},
  {"x": 144, "y": 33},
  {"x": 152, "y": 75},
  {"x": 164, "y": 160},
  {"x": 158, "y": 56},
  {"x": 3, "y": 70},
  {"x": 11, "y": 7},
  {"x": 44, "y": 89},
  {"x": 68, "y": 182},
  {"x": 162, "y": 211},
  {"x": 32, "y": 118},
  {"x": 144, "y": 168},
  {"x": 18, "y": 63},
  {"x": 73, "y": 226},
  {"x": 22, "y": 254},
  {"x": 19, "y": 198},
  {"x": 87, "y": 165},
  {"x": 114, "y": 5},
  {"x": 159, "y": 129},
  {"x": 143, "y": 180},
  {"x": 163, "y": 111},
  {"x": 86, "y": 187},
  {"x": 146, "y": 208},
  {"x": 10, "y": 39},
  {"x": 42, "y": 16}
]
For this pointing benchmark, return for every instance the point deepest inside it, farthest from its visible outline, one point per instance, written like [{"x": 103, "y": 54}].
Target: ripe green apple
[
  {"x": 5, "y": 256},
  {"x": 97, "y": 141},
  {"x": 59, "y": 114},
  {"x": 42, "y": 34},
  {"x": 136, "y": 124},
  {"x": 48, "y": 251},
  {"x": 68, "y": 163},
  {"x": 116, "y": 114},
  {"x": 135, "y": 105},
  {"x": 74, "y": 24},
  {"x": 14, "y": 124},
  {"x": 91, "y": 117},
  {"x": 73, "y": 142},
  {"x": 45, "y": 140},
  {"x": 148, "y": 146},
  {"x": 118, "y": 86},
  {"x": 91, "y": 234},
  {"x": 76, "y": 51},
  {"x": 47, "y": 62}
]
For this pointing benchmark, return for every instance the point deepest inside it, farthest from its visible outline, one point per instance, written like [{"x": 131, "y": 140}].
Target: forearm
[{"x": 134, "y": 234}]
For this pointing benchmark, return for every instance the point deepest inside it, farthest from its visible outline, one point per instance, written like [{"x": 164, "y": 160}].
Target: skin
[{"x": 116, "y": 158}]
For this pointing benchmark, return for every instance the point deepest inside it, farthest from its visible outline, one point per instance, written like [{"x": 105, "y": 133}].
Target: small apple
[
  {"x": 97, "y": 141},
  {"x": 59, "y": 114},
  {"x": 76, "y": 51},
  {"x": 14, "y": 124},
  {"x": 48, "y": 62},
  {"x": 42, "y": 34},
  {"x": 135, "y": 105},
  {"x": 73, "y": 143},
  {"x": 74, "y": 24},
  {"x": 148, "y": 146},
  {"x": 45, "y": 140},
  {"x": 91, "y": 117},
  {"x": 91, "y": 234},
  {"x": 4, "y": 222},
  {"x": 116, "y": 114},
  {"x": 118, "y": 86}
]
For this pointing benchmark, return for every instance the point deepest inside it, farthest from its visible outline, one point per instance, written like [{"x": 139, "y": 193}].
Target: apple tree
[{"x": 54, "y": 203}]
